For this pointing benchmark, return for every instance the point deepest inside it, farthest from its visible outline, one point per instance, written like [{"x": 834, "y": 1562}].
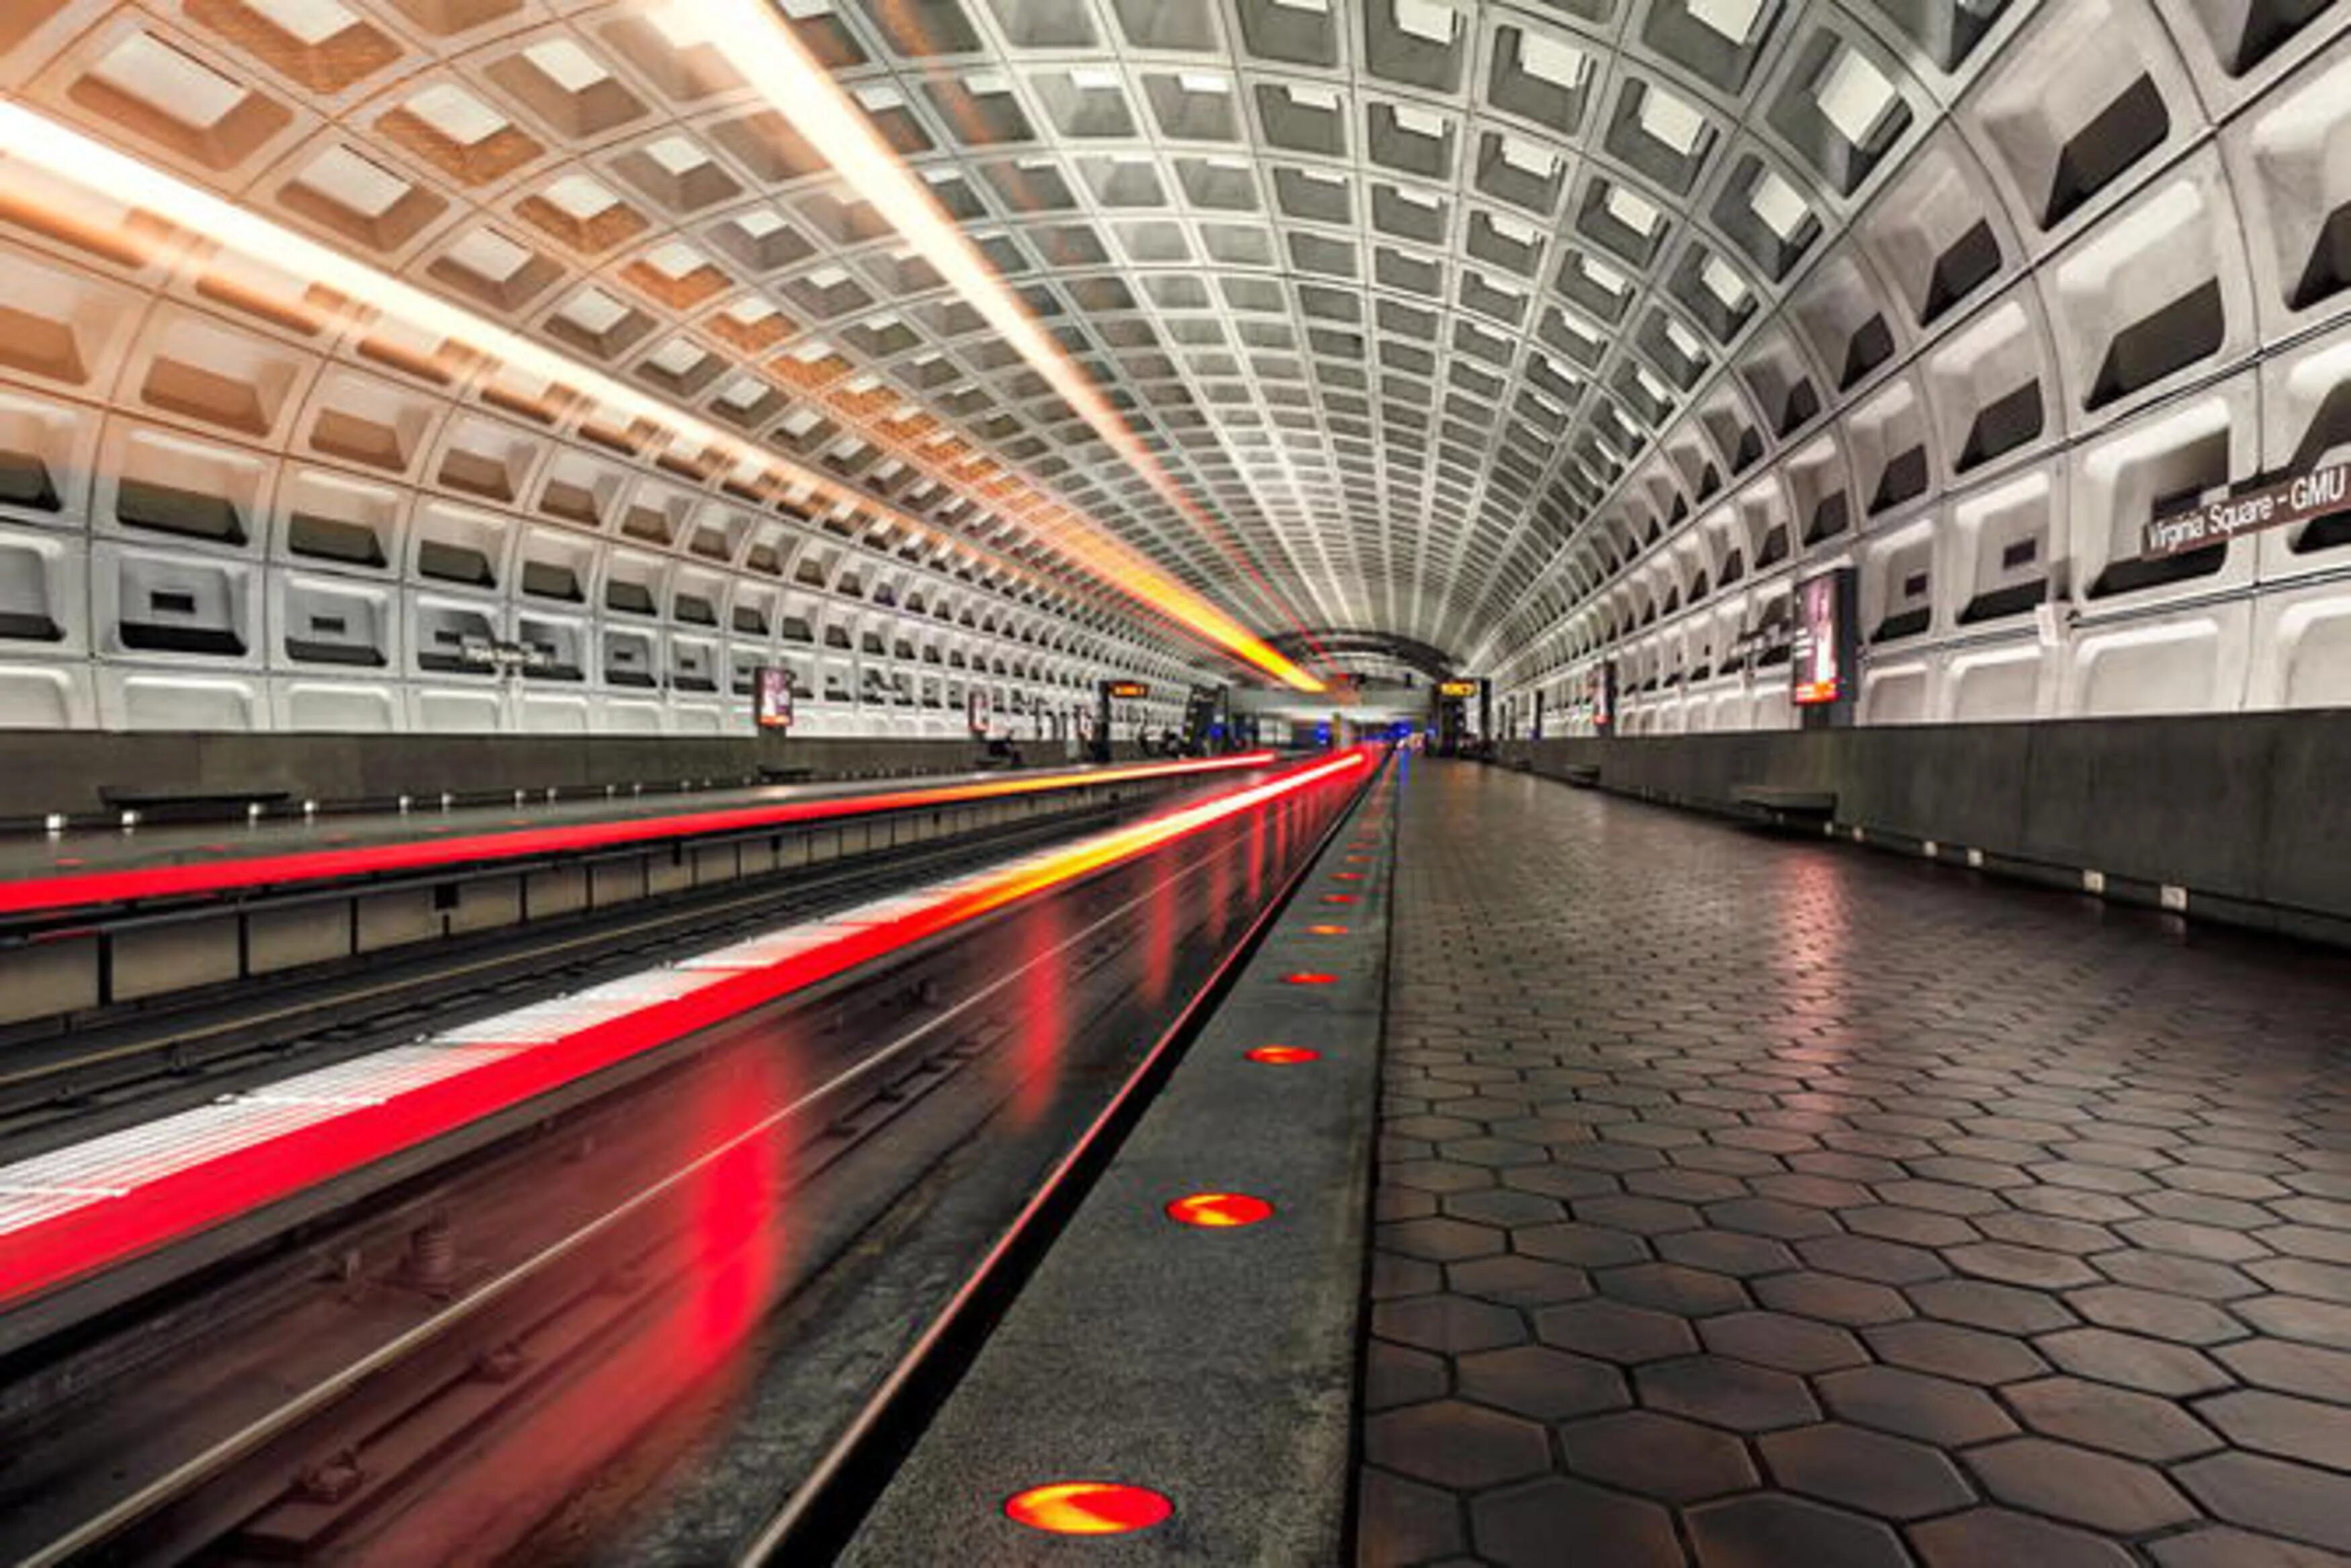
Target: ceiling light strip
[
  {"x": 67, "y": 154},
  {"x": 770, "y": 57}
]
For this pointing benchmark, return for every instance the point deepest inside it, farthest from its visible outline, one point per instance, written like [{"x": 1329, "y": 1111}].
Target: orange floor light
[
  {"x": 1220, "y": 1210},
  {"x": 1088, "y": 1508},
  {"x": 1310, "y": 977},
  {"x": 1283, "y": 1055},
  {"x": 1326, "y": 930}
]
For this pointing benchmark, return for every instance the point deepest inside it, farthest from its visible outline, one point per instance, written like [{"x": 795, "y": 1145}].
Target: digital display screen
[
  {"x": 977, "y": 707},
  {"x": 1604, "y": 696},
  {"x": 771, "y": 697},
  {"x": 1823, "y": 650},
  {"x": 1457, "y": 688},
  {"x": 1129, "y": 691}
]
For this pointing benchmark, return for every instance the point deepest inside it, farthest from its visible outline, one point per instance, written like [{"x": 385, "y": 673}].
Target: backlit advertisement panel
[{"x": 1822, "y": 666}]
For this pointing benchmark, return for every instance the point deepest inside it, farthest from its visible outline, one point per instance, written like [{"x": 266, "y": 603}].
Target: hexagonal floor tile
[
  {"x": 1450, "y": 1444},
  {"x": 1987, "y": 1537},
  {"x": 2132, "y": 1361},
  {"x": 1518, "y": 1282},
  {"x": 2094, "y": 1490},
  {"x": 1914, "y": 1404},
  {"x": 1775, "y": 1531},
  {"x": 1527, "y": 1527},
  {"x": 1784, "y": 1343},
  {"x": 1669, "y": 1287},
  {"x": 1615, "y": 1332},
  {"x": 1440, "y": 1241},
  {"x": 1947, "y": 1350},
  {"x": 1869, "y": 1472},
  {"x": 1400, "y": 1521},
  {"x": 1725, "y": 1393},
  {"x": 2100, "y": 1416},
  {"x": 1545, "y": 1383},
  {"x": 1662, "y": 1456},
  {"x": 1449, "y": 1324}
]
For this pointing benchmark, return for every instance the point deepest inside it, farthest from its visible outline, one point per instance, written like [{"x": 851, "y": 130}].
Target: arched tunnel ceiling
[
  {"x": 1379, "y": 651},
  {"x": 1426, "y": 300}
]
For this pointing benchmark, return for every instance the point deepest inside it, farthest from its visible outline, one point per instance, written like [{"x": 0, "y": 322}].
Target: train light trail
[
  {"x": 86, "y": 1206},
  {"x": 92, "y": 889}
]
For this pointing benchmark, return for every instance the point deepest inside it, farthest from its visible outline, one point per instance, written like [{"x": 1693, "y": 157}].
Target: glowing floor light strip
[
  {"x": 80, "y": 160},
  {"x": 774, "y": 61},
  {"x": 91, "y": 889},
  {"x": 75, "y": 1210}
]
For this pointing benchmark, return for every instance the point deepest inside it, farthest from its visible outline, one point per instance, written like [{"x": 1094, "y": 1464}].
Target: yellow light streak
[
  {"x": 69, "y": 155},
  {"x": 779, "y": 67}
]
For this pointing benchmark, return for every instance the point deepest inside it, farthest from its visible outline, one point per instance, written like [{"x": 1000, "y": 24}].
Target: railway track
[
  {"x": 63, "y": 1089},
  {"x": 368, "y": 1361}
]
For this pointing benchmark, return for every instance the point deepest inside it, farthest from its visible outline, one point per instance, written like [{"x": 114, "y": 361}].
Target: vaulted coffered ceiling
[{"x": 1402, "y": 293}]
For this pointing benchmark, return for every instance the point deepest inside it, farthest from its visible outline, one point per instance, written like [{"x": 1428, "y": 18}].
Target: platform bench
[{"x": 1786, "y": 807}]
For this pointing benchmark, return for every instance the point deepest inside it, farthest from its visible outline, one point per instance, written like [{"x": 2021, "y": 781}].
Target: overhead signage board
[
  {"x": 1821, "y": 667},
  {"x": 1126, "y": 691},
  {"x": 771, "y": 697},
  {"x": 2278, "y": 505},
  {"x": 1457, "y": 689}
]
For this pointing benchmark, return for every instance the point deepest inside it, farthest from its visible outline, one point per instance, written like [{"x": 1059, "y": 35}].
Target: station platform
[{"x": 1750, "y": 1201}]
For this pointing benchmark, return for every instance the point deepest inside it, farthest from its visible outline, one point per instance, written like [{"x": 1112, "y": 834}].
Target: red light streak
[
  {"x": 168, "y": 1207},
  {"x": 41, "y": 894},
  {"x": 1309, "y": 977},
  {"x": 1283, "y": 1055}
]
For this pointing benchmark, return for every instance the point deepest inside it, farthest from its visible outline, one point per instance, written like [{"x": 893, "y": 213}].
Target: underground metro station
[{"x": 1224, "y": 783}]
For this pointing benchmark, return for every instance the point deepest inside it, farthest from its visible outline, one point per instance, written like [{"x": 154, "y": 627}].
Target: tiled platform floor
[{"x": 1753, "y": 1201}]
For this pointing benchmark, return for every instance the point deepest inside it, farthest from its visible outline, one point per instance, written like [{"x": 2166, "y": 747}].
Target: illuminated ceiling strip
[
  {"x": 763, "y": 48},
  {"x": 258, "y": 1154},
  {"x": 78, "y": 160}
]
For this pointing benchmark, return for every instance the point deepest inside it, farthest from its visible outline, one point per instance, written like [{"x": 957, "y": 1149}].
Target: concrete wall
[
  {"x": 81, "y": 773},
  {"x": 2250, "y": 814}
]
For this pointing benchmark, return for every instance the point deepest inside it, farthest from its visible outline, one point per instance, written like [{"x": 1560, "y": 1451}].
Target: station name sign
[
  {"x": 2279, "y": 504},
  {"x": 484, "y": 654},
  {"x": 1457, "y": 688}
]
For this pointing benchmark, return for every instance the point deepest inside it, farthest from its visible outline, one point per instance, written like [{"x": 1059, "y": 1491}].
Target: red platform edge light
[
  {"x": 1326, "y": 930},
  {"x": 1220, "y": 1210},
  {"x": 91, "y": 888},
  {"x": 1283, "y": 1055},
  {"x": 1338, "y": 897},
  {"x": 1088, "y": 1508},
  {"x": 1310, "y": 977},
  {"x": 238, "y": 1181}
]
